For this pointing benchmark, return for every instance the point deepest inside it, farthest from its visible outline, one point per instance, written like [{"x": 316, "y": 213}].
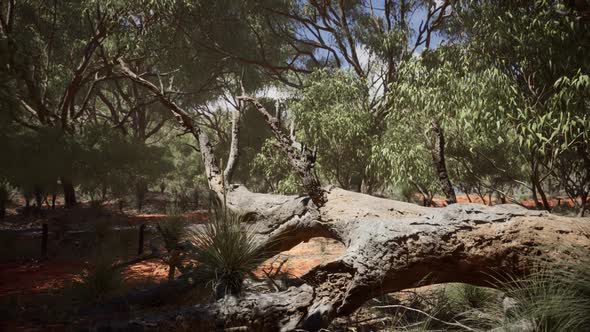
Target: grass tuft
[
  {"x": 226, "y": 251},
  {"x": 98, "y": 282}
]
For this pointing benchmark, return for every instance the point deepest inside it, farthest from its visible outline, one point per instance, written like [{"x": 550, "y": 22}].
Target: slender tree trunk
[
  {"x": 543, "y": 196},
  {"x": 172, "y": 264},
  {"x": 69, "y": 193},
  {"x": 140, "y": 191},
  {"x": 301, "y": 158},
  {"x": 140, "y": 240},
  {"x": 440, "y": 167},
  {"x": 53, "y": 198},
  {"x": 38, "y": 197},
  {"x": 481, "y": 196},
  {"x": 502, "y": 198},
  {"x": 534, "y": 180},
  {"x": 365, "y": 187},
  {"x": 468, "y": 198},
  {"x": 3, "y": 200},
  {"x": 583, "y": 206},
  {"x": 534, "y": 195},
  {"x": 234, "y": 151}
]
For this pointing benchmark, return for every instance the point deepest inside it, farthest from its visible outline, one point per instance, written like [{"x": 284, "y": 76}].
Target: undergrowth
[{"x": 226, "y": 251}]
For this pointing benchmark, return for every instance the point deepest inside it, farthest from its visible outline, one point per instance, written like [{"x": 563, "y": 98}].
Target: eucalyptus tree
[
  {"x": 52, "y": 64},
  {"x": 333, "y": 113},
  {"x": 356, "y": 43},
  {"x": 537, "y": 45},
  {"x": 568, "y": 134},
  {"x": 389, "y": 245}
]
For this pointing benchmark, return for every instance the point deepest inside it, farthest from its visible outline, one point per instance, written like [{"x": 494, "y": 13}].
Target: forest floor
[{"x": 32, "y": 288}]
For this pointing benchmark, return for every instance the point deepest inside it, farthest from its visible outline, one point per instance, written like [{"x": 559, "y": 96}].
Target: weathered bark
[
  {"x": 301, "y": 159},
  {"x": 234, "y": 151},
  {"x": 390, "y": 246},
  {"x": 440, "y": 166}
]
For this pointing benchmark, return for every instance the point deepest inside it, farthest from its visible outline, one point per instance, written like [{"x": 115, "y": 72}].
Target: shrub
[
  {"x": 98, "y": 282},
  {"x": 226, "y": 252},
  {"x": 555, "y": 298}
]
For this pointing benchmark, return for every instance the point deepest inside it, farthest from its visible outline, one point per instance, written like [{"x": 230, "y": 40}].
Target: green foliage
[
  {"x": 110, "y": 160},
  {"x": 276, "y": 170},
  {"x": 464, "y": 97},
  {"x": 555, "y": 299},
  {"x": 465, "y": 297},
  {"x": 174, "y": 229},
  {"x": 226, "y": 251},
  {"x": 25, "y": 148},
  {"x": 333, "y": 115},
  {"x": 540, "y": 51}
]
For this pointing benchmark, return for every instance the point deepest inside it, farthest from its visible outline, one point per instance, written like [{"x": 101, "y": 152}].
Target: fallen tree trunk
[{"x": 390, "y": 246}]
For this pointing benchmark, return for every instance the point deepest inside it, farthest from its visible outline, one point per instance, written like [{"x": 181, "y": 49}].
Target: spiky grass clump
[
  {"x": 226, "y": 251},
  {"x": 98, "y": 282},
  {"x": 554, "y": 299},
  {"x": 174, "y": 229},
  {"x": 466, "y": 297}
]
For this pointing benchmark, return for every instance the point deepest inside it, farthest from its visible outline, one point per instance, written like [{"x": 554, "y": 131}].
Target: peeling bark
[{"x": 234, "y": 151}]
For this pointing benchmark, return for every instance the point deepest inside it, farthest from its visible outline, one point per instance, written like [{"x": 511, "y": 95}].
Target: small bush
[{"x": 98, "y": 282}]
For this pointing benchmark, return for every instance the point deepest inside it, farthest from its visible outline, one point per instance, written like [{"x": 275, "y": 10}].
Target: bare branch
[
  {"x": 301, "y": 159},
  {"x": 205, "y": 146}
]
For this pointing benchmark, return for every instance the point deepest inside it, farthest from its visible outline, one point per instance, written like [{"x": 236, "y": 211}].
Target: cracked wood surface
[{"x": 390, "y": 246}]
